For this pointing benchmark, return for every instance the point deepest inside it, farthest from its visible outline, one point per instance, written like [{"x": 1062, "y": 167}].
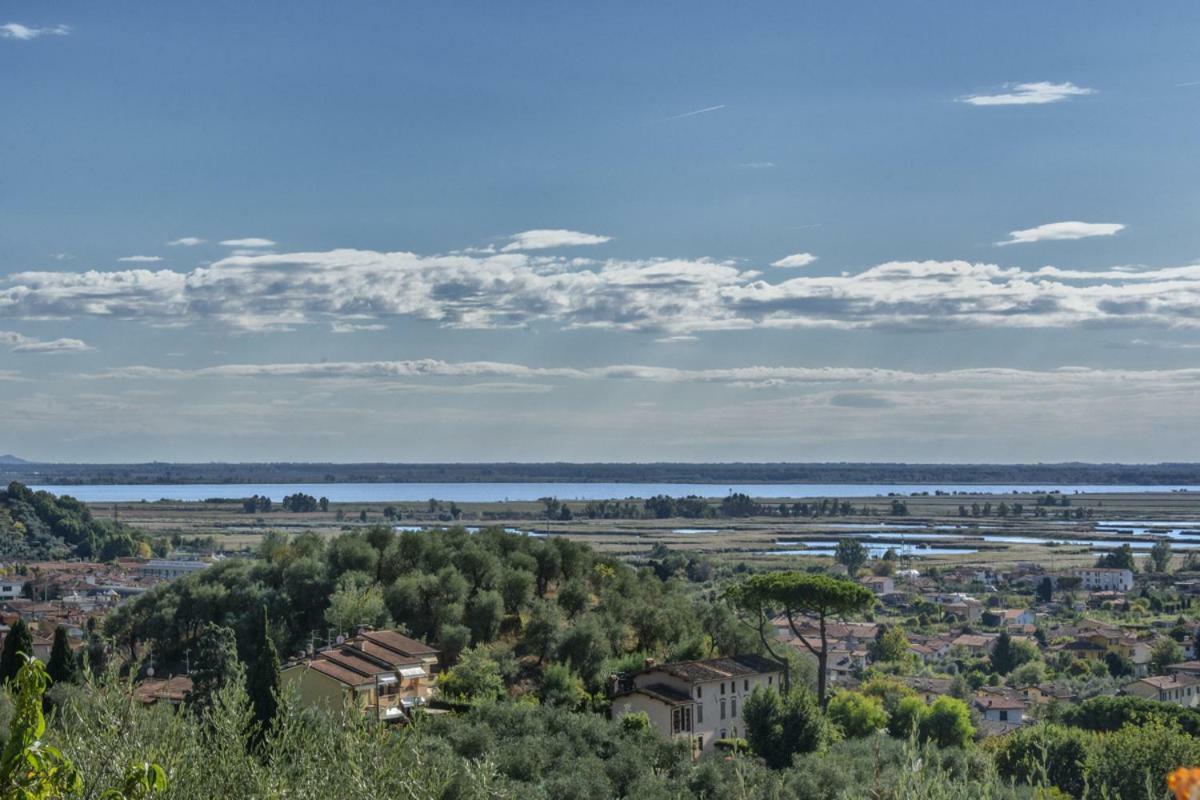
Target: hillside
[{"x": 40, "y": 525}]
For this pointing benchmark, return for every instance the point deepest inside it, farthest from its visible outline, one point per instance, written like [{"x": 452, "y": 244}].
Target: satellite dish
[
  {"x": 340, "y": 639},
  {"x": 149, "y": 672}
]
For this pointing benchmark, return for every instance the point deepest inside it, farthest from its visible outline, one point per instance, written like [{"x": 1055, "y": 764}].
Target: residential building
[
  {"x": 170, "y": 569},
  {"x": 879, "y": 584},
  {"x": 1001, "y": 706},
  {"x": 1017, "y": 617},
  {"x": 383, "y": 673},
  {"x": 975, "y": 644},
  {"x": 1178, "y": 688},
  {"x": 1000, "y": 712},
  {"x": 11, "y": 588},
  {"x": 700, "y": 700},
  {"x": 173, "y": 690},
  {"x": 1185, "y": 668},
  {"x": 1104, "y": 579},
  {"x": 963, "y": 607}
]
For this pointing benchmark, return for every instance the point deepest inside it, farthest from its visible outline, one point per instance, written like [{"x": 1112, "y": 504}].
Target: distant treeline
[{"x": 1032, "y": 474}]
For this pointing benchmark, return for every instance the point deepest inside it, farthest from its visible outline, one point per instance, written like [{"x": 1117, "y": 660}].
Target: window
[
  {"x": 1004, "y": 716},
  {"x": 722, "y": 688},
  {"x": 733, "y": 708},
  {"x": 699, "y": 714},
  {"x": 745, "y": 684},
  {"x": 699, "y": 692},
  {"x": 681, "y": 720},
  {"x": 770, "y": 679},
  {"x": 722, "y": 709}
]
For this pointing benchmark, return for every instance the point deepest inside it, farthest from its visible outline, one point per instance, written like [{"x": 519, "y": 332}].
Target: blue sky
[{"x": 691, "y": 231}]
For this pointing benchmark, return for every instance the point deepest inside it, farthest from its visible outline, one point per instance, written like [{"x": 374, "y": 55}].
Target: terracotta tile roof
[
  {"x": 972, "y": 640},
  {"x": 717, "y": 669},
  {"x": 174, "y": 689},
  {"x": 1000, "y": 703},
  {"x": 339, "y": 673},
  {"x": 660, "y": 691},
  {"x": 1177, "y": 680},
  {"x": 400, "y": 643},
  {"x": 358, "y": 660}
]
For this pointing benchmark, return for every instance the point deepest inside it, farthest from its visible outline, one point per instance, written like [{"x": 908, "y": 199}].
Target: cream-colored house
[
  {"x": 1178, "y": 688},
  {"x": 1105, "y": 579},
  {"x": 700, "y": 700},
  {"x": 381, "y": 673}
]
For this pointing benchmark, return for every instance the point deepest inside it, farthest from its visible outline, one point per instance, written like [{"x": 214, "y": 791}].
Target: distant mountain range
[
  {"x": 1033, "y": 475},
  {"x": 11, "y": 459}
]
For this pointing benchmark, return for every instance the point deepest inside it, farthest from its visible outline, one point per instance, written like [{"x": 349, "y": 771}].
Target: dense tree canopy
[
  {"x": 39, "y": 525},
  {"x": 551, "y": 599}
]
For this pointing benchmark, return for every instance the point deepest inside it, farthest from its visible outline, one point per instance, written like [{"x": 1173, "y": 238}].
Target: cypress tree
[
  {"x": 216, "y": 666},
  {"x": 62, "y": 666},
  {"x": 262, "y": 684},
  {"x": 18, "y": 642}
]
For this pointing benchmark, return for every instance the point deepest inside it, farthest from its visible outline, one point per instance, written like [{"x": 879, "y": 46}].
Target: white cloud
[
  {"x": 545, "y": 239},
  {"x": 1063, "y": 231},
  {"x": 251, "y": 242},
  {"x": 858, "y": 387},
  {"x": 186, "y": 241},
  {"x": 758, "y": 164},
  {"x": 1027, "y": 94},
  {"x": 698, "y": 111},
  {"x": 795, "y": 260},
  {"x": 19, "y": 343},
  {"x": 668, "y": 297},
  {"x": 354, "y": 327},
  {"x": 15, "y": 30},
  {"x": 141, "y": 259}
]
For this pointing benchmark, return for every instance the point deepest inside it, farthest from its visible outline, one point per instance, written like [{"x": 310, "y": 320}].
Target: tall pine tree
[
  {"x": 18, "y": 642},
  {"x": 262, "y": 684},
  {"x": 62, "y": 666}
]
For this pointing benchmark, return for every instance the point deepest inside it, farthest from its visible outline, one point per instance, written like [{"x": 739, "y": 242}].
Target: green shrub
[{"x": 856, "y": 715}]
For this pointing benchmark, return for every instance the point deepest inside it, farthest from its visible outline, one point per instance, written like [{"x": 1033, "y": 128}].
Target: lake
[{"x": 497, "y": 492}]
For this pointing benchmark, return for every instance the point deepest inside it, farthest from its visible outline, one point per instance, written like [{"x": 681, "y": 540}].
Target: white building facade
[
  {"x": 1105, "y": 579},
  {"x": 700, "y": 700}
]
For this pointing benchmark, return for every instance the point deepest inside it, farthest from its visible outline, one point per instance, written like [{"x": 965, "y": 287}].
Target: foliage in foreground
[{"x": 103, "y": 745}]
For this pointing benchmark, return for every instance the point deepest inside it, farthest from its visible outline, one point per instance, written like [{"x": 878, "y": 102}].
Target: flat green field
[{"x": 932, "y": 525}]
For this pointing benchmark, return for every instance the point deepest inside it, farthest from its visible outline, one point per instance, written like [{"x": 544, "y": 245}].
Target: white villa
[
  {"x": 701, "y": 700},
  {"x": 1104, "y": 579}
]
